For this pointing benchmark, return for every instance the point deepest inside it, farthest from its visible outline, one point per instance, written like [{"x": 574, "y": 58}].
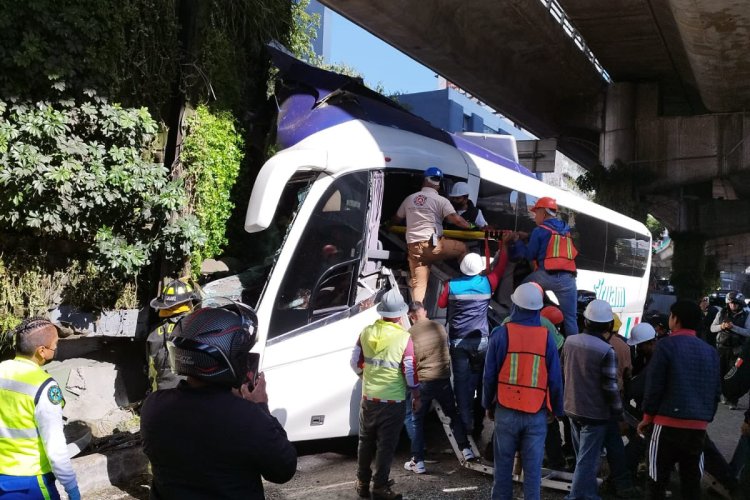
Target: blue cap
[{"x": 433, "y": 172}]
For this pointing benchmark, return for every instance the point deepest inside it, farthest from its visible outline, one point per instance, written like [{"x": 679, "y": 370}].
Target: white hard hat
[
  {"x": 528, "y": 296},
  {"x": 598, "y": 311},
  {"x": 642, "y": 332},
  {"x": 392, "y": 305},
  {"x": 472, "y": 264},
  {"x": 459, "y": 189}
]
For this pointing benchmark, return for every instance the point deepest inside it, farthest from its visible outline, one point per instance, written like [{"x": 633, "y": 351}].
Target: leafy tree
[
  {"x": 212, "y": 154},
  {"x": 85, "y": 172},
  {"x": 616, "y": 187}
]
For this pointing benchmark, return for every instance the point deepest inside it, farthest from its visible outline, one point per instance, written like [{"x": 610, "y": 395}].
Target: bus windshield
[{"x": 248, "y": 285}]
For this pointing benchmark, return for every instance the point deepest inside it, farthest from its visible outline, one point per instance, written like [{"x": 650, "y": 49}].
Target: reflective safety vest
[
  {"x": 21, "y": 448},
  {"x": 468, "y": 301},
  {"x": 383, "y": 345},
  {"x": 522, "y": 381},
  {"x": 561, "y": 252}
]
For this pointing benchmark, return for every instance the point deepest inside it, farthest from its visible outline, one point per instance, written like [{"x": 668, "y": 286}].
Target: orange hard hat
[
  {"x": 545, "y": 202},
  {"x": 554, "y": 314}
]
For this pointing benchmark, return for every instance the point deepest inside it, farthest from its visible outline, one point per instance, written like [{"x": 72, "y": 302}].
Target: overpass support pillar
[{"x": 618, "y": 137}]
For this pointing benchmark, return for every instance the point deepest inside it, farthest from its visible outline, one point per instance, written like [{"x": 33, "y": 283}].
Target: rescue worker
[
  {"x": 424, "y": 212},
  {"x": 213, "y": 436},
  {"x": 459, "y": 198},
  {"x": 33, "y": 450},
  {"x": 434, "y": 372},
  {"x": 592, "y": 397},
  {"x": 551, "y": 316},
  {"x": 467, "y": 299},
  {"x": 522, "y": 387},
  {"x": 551, "y": 247},
  {"x": 731, "y": 325},
  {"x": 384, "y": 358},
  {"x": 175, "y": 301}
]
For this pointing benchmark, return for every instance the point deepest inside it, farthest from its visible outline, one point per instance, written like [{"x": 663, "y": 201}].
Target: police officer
[
  {"x": 731, "y": 325},
  {"x": 424, "y": 212},
  {"x": 33, "y": 451},
  {"x": 551, "y": 247},
  {"x": 175, "y": 301}
]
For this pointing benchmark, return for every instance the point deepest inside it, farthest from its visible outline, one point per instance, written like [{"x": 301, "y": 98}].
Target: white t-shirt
[{"x": 424, "y": 212}]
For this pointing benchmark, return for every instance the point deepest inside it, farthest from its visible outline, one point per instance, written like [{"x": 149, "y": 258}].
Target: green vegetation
[
  {"x": 212, "y": 154},
  {"x": 84, "y": 172},
  {"x": 616, "y": 187}
]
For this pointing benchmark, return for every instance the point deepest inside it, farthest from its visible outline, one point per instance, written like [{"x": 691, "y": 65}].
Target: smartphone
[{"x": 253, "y": 367}]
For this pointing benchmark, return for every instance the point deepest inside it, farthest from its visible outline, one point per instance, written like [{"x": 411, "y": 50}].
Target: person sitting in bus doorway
[
  {"x": 522, "y": 388},
  {"x": 424, "y": 212},
  {"x": 174, "y": 302},
  {"x": 384, "y": 357},
  {"x": 33, "y": 451},
  {"x": 459, "y": 198},
  {"x": 467, "y": 299},
  {"x": 434, "y": 373},
  {"x": 551, "y": 247}
]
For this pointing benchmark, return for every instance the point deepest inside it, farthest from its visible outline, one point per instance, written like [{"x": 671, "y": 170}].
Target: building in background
[{"x": 322, "y": 42}]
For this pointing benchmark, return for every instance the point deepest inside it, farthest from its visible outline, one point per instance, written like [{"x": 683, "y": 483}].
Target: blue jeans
[
  {"x": 523, "y": 432},
  {"x": 467, "y": 362},
  {"x": 588, "y": 440},
  {"x": 441, "y": 391},
  {"x": 564, "y": 286}
]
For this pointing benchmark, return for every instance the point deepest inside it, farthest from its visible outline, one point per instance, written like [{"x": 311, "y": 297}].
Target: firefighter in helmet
[{"x": 174, "y": 302}]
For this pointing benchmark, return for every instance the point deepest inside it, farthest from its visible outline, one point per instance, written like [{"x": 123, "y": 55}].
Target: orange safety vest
[
  {"x": 522, "y": 381},
  {"x": 561, "y": 252}
]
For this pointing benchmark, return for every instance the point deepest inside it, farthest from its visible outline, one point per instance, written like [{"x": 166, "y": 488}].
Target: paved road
[{"x": 326, "y": 469}]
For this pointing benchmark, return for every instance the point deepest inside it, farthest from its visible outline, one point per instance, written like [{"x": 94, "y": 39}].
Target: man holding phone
[{"x": 236, "y": 440}]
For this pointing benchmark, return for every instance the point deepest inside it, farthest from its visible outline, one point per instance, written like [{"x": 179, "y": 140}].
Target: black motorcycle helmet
[{"x": 213, "y": 342}]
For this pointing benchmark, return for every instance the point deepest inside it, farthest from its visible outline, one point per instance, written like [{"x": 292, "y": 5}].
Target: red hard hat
[
  {"x": 545, "y": 202},
  {"x": 554, "y": 314}
]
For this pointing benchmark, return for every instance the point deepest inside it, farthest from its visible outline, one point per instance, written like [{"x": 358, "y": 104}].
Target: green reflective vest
[
  {"x": 21, "y": 447},
  {"x": 383, "y": 344}
]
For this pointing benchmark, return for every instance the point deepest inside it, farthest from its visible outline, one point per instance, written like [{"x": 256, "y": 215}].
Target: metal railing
[{"x": 557, "y": 12}]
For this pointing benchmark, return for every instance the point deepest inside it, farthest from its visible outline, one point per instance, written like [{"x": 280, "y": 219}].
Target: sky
[{"x": 376, "y": 60}]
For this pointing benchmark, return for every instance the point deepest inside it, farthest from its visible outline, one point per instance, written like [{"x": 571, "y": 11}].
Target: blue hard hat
[{"x": 433, "y": 172}]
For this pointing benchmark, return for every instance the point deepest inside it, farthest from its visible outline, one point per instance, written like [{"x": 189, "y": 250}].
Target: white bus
[{"x": 318, "y": 205}]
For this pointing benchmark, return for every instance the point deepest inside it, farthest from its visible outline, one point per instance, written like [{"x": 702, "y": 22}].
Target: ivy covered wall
[{"x": 93, "y": 100}]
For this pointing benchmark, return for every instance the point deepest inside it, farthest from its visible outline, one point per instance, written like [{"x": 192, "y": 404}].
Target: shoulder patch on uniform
[{"x": 55, "y": 395}]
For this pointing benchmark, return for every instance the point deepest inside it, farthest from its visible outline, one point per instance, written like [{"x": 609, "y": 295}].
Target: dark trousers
[
  {"x": 619, "y": 472},
  {"x": 379, "y": 430},
  {"x": 553, "y": 446},
  {"x": 670, "y": 446},
  {"x": 441, "y": 391}
]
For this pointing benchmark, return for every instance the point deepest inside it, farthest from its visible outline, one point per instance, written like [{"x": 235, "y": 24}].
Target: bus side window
[
  {"x": 498, "y": 204},
  {"x": 323, "y": 271},
  {"x": 589, "y": 237}
]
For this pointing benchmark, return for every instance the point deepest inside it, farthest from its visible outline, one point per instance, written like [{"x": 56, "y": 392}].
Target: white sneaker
[
  {"x": 416, "y": 467},
  {"x": 468, "y": 454}
]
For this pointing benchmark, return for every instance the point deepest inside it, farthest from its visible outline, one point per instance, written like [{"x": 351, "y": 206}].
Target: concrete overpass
[{"x": 675, "y": 105}]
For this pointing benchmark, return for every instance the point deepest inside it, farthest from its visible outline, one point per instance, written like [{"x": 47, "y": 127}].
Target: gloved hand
[{"x": 74, "y": 493}]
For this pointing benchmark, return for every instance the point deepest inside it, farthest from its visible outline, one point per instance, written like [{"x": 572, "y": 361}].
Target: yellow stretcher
[{"x": 459, "y": 234}]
